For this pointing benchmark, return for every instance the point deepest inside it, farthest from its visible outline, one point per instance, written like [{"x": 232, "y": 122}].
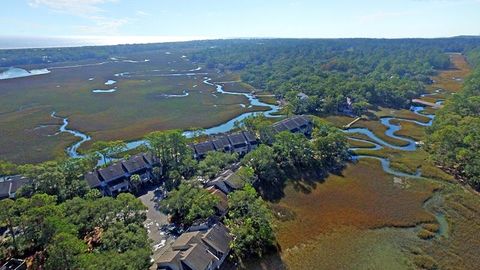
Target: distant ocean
[{"x": 9, "y": 42}]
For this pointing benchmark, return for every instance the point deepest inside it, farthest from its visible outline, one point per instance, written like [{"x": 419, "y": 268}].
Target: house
[
  {"x": 198, "y": 250},
  {"x": 251, "y": 140},
  {"x": 14, "y": 264},
  {"x": 239, "y": 143},
  {"x": 222, "y": 206},
  {"x": 296, "y": 124},
  {"x": 138, "y": 164},
  {"x": 222, "y": 144},
  {"x": 202, "y": 149},
  {"x": 227, "y": 182},
  {"x": 10, "y": 184},
  {"x": 115, "y": 178}
]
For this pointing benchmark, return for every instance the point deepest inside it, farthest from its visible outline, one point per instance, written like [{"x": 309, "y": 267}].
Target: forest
[
  {"x": 454, "y": 138},
  {"x": 342, "y": 75}
]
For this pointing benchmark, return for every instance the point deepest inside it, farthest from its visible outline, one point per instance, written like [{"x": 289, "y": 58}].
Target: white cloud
[
  {"x": 83, "y": 7},
  {"x": 87, "y": 9},
  {"x": 141, "y": 13}
]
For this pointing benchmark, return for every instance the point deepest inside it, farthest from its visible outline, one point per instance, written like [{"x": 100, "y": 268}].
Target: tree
[
  {"x": 260, "y": 126},
  {"x": 9, "y": 219},
  {"x": 262, "y": 161},
  {"x": 8, "y": 168},
  {"x": 136, "y": 181},
  {"x": 63, "y": 252},
  {"x": 330, "y": 147},
  {"x": 293, "y": 151},
  {"x": 214, "y": 162},
  {"x": 171, "y": 147},
  {"x": 108, "y": 150},
  {"x": 189, "y": 203},
  {"x": 246, "y": 174},
  {"x": 63, "y": 179},
  {"x": 250, "y": 222}
]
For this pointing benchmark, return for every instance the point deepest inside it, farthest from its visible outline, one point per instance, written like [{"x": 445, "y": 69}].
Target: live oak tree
[
  {"x": 189, "y": 203},
  {"x": 250, "y": 222},
  {"x": 58, "y": 231}
]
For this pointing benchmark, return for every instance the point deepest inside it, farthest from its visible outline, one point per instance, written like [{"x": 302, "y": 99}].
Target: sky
[{"x": 157, "y": 20}]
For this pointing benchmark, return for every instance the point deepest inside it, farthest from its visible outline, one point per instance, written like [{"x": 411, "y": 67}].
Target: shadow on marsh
[{"x": 301, "y": 181}]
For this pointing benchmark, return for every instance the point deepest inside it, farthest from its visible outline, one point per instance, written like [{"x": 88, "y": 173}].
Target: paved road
[{"x": 155, "y": 220}]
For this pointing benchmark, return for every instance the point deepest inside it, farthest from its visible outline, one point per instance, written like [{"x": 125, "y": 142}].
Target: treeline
[
  {"x": 368, "y": 72},
  {"x": 21, "y": 57},
  {"x": 90, "y": 233},
  {"x": 454, "y": 138}
]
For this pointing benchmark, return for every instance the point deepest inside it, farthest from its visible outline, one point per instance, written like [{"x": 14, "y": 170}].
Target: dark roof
[
  {"x": 135, "y": 163},
  {"x": 219, "y": 183},
  {"x": 93, "y": 179},
  {"x": 151, "y": 159},
  {"x": 222, "y": 204},
  {"x": 197, "y": 257},
  {"x": 10, "y": 184},
  {"x": 279, "y": 127},
  {"x": 204, "y": 147},
  {"x": 302, "y": 120},
  {"x": 250, "y": 136},
  {"x": 218, "y": 238},
  {"x": 221, "y": 143},
  {"x": 291, "y": 124},
  {"x": 237, "y": 138},
  {"x": 112, "y": 172}
]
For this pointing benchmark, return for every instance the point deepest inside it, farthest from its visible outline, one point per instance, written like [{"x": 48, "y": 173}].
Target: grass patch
[{"x": 139, "y": 105}]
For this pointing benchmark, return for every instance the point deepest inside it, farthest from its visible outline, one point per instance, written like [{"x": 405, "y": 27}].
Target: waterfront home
[
  {"x": 239, "y": 143},
  {"x": 198, "y": 250},
  {"x": 296, "y": 124},
  {"x": 222, "y": 144},
  {"x": 10, "y": 184},
  {"x": 115, "y": 178},
  {"x": 202, "y": 149}
]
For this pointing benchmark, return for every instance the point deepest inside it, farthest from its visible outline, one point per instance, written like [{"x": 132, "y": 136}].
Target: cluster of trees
[
  {"x": 63, "y": 179},
  {"x": 250, "y": 222},
  {"x": 454, "y": 138},
  {"x": 81, "y": 233},
  {"x": 288, "y": 154},
  {"x": 189, "y": 203},
  {"x": 369, "y": 72}
]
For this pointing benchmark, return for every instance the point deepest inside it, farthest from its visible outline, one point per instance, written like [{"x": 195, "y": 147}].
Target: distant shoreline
[{"x": 15, "y": 42}]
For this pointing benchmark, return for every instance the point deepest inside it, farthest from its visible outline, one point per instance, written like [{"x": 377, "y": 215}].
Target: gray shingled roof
[
  {"x": 112, "y": 172},
  {"x": 10, "y": 184},
  {"x": 279, "y": 127},
  {"x": 237, "y": 138},
  {"x": 218, "y": 238},
  {"x": 251, "y": 138},
  {"x": 204, "y": 147},
  {"x": 92, "y": 179},
  {"x": 151, "y": 159},
  {"x": 135, "y": 163},
  {"x": 291, "y": 124},
  {"x": 221, "y": 143},
  {"x": 197, "y": 257}
]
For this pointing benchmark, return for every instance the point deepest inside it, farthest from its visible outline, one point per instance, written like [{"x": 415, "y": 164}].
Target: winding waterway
[{"x": 376, "y": 142}]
